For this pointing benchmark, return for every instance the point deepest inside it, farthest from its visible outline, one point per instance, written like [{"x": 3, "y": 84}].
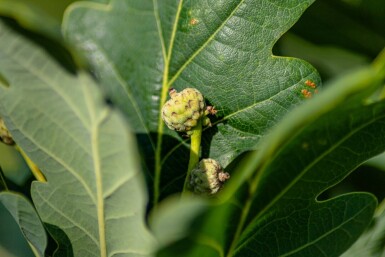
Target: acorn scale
[
  {"x": 183, "y": 111},
  {"x": 207, "y": 178},
  {"x": 5, "y": 136}
]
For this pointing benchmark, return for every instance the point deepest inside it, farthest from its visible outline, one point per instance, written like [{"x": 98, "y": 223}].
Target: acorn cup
[
  {"x": 5, "y": 136},
  {"x": 207, "y": 178},
  {"x": 185, "y": 109}
]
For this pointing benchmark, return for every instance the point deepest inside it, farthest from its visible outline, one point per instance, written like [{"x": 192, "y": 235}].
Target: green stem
[
  {"x": 196, "y": 137},
  {"x": 33, "y": 167},
  {"x": 379, "y": 65}
]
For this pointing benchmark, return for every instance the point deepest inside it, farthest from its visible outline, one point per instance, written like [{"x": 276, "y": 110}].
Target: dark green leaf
[
  {"x": 372, "y": 242},
  {"x": 26, "y": 217},
  {"x": 276, "y": 211},
  {"x": 139, "y": 49}
]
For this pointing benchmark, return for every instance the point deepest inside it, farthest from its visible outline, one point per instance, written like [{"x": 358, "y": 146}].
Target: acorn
[
  {"x": 5, "y": 136},
  {"x": 208, "y": 177},
  {"x": 185, "y": 109}
]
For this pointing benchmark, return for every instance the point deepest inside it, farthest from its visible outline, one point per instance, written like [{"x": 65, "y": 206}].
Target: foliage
[{"x": 114, "y": 171}]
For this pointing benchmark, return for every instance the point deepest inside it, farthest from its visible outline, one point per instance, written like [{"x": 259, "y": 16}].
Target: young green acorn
[
  {"x": 185, "y": 109},
  {"x": 207, "y": 178},
  {"x": 5, "y": 136}
]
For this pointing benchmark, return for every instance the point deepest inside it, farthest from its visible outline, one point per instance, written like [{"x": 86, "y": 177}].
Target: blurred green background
[{"x": 335, "y": 36}]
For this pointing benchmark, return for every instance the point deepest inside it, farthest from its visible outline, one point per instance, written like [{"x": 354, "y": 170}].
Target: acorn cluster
[{"x": 184, "y": 111}]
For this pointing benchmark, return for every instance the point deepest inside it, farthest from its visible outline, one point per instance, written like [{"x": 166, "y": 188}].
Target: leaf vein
[
  {"x": 96, "y": 122},
  {"x": 324, "y": 235},
  {"x": 125, "y": 88},
  {"x": 59, "y": 161},
  {"x": 200, "y": 49},
  {"x": 59, "y": 212},
  {"x": 308, "y": 167},
  {"x": 46, "y": 79}
]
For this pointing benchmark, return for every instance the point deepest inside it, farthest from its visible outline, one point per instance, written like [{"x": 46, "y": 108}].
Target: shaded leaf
[
  {"x": 173, "y": 219},
  {"x": 26, "y": 217},
  {"x": 372, "y": 242},
  {"x": 95, "y": 192},
  {"x": 270, "y": 206},
  {"x": 139, "y": 49}
]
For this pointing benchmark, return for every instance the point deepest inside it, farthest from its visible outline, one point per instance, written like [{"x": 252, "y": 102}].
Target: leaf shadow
[
  {"x": 173, "y": 167},
  {"x": 58, "y": 235},
  {"x": 209, "y": 133}
]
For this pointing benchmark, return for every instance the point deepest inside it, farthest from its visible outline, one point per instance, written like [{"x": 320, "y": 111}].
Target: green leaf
[
  {"x": 271, "y": 207},
  {"x": 94, "y": 193},
  {"x": 139, "y": 49},
  {"x": 26, "y": 217},
  {"x": 372, "y": 242},
  {"x": 173, "y": 219}
]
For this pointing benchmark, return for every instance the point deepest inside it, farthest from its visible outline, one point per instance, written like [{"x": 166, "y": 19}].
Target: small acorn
[
  {"x": 183, "y": 111},
  {"x": 5, "y": 136},
  {"x": 208, "y": 177}
]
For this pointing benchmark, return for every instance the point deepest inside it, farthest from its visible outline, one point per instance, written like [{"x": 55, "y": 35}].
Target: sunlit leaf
[{"x": 140, "y": 49}]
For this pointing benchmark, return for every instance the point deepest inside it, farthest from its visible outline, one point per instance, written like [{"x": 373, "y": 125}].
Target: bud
[{"x": 185, "y": 109}]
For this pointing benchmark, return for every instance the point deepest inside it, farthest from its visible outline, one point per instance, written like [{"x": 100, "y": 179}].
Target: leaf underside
[{"x": 95, "y": 192}]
